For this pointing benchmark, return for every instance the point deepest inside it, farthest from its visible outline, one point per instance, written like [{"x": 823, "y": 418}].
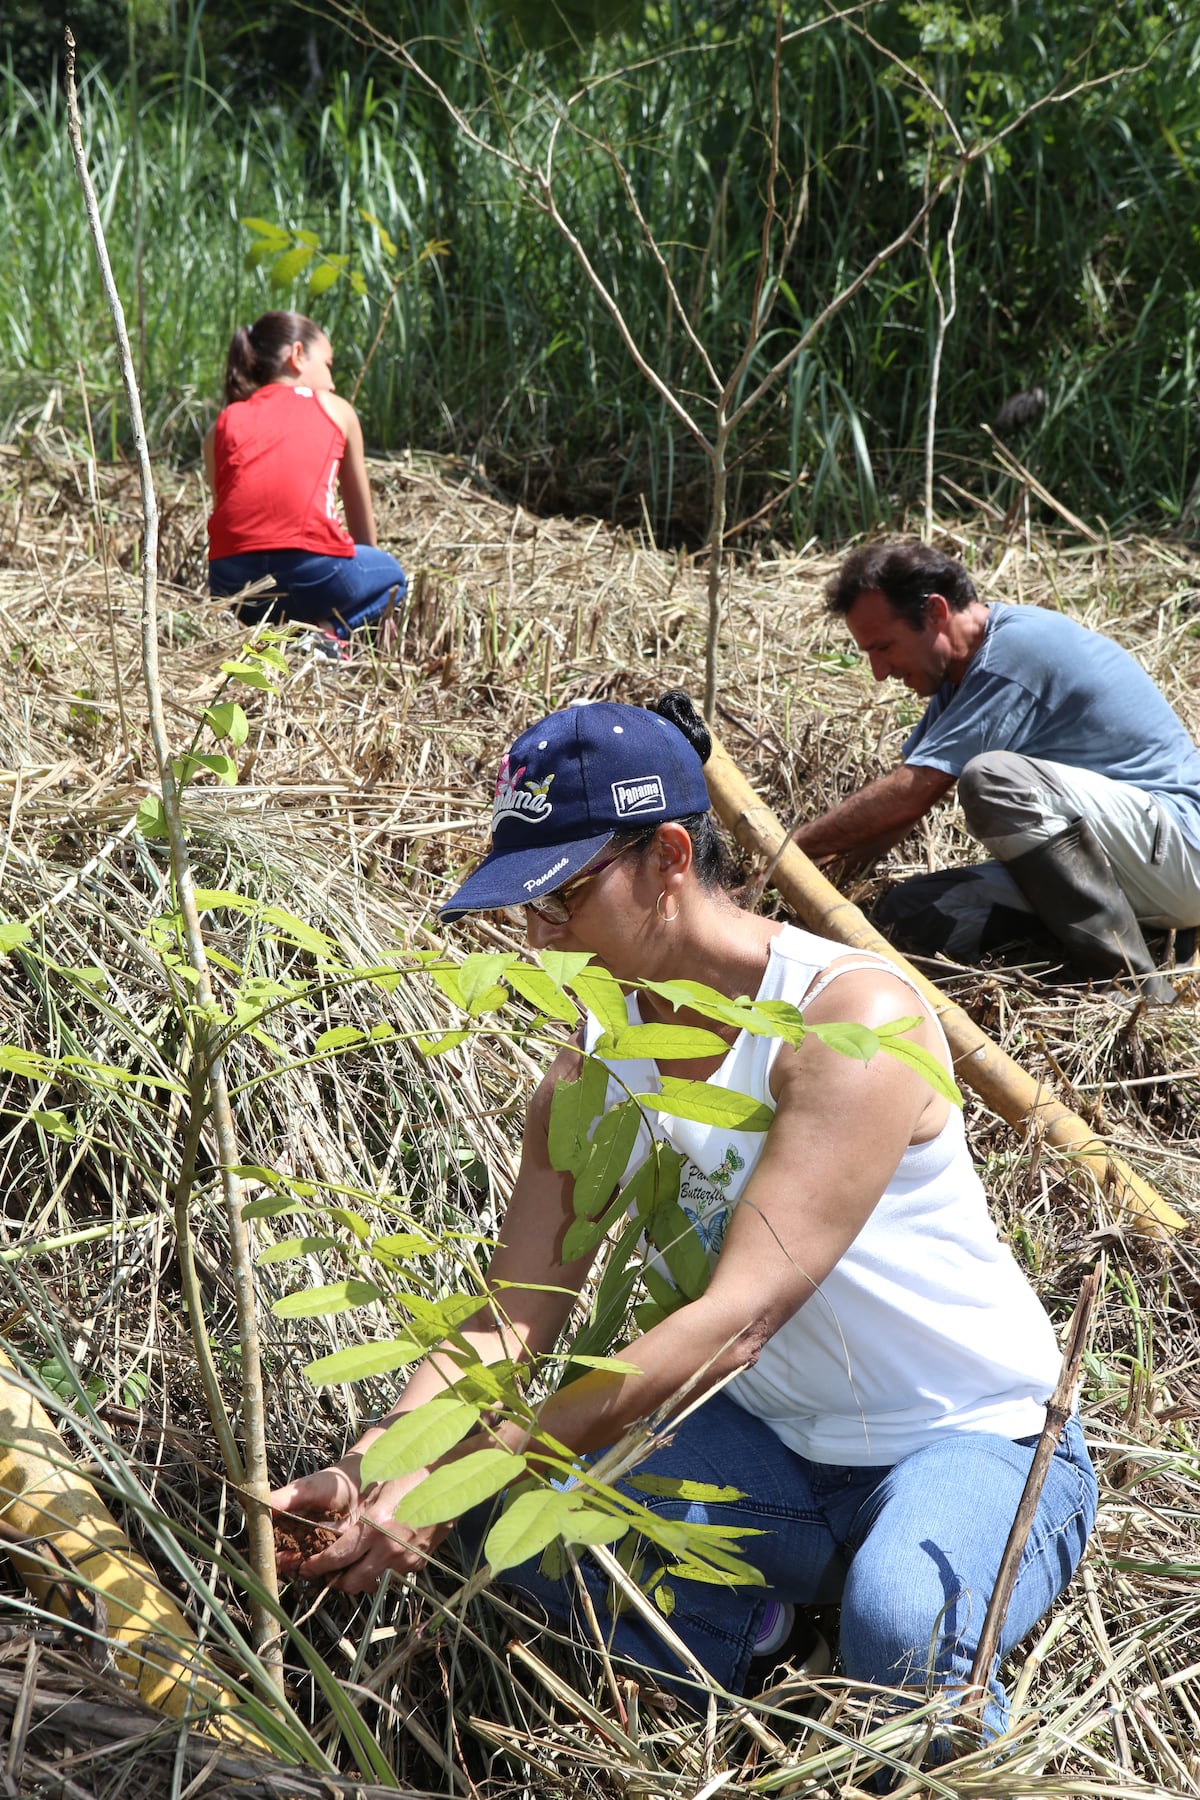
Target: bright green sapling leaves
[
  {"x": 419, "y": 1438},
  {"x": 457, "y": 1486},
  {"x": 604, "y": 1161},
  {"x": 626, "y": 1189},
  {"x": 362, "y": 1361},
  {"x": 322, "y": 1302},
  {"x": 574, "y": 1109}
]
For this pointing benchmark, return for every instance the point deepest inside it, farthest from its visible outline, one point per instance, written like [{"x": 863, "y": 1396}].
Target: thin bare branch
[
  {"x": 252, "y": 1477},
  {"x": 945, "y": 311}
]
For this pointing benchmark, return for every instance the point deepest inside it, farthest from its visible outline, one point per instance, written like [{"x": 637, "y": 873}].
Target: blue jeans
[
  {"x": 911, "y": 1551},
  {"x": 339, "y": 591}
]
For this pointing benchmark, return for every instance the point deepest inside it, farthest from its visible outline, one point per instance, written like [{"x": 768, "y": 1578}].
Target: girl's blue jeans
[
  {"x": 911, "y": 1551},
  {"x": 341, "y": 592}
]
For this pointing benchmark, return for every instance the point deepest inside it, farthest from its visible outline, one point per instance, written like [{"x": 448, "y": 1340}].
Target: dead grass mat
[{"x": 362, "y": 791}]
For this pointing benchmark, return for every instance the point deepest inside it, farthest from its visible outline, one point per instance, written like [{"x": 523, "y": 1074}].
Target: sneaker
[
  {"x": 778, "y": 1618},
  {"x": 786, "y": 1637},
  {"x": 326, "y": 645}
]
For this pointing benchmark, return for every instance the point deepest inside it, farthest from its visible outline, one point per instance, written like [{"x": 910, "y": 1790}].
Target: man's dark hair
[{"x": 905, "y": 574}]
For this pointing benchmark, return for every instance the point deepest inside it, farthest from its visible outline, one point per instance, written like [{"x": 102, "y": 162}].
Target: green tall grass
[{"x": 1078, "y": 265}]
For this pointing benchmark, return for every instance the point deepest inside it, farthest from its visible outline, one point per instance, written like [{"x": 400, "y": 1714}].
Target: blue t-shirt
[{"x": 1042, "y": 685}]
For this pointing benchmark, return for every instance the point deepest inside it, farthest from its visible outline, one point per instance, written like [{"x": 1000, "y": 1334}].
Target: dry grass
[{"x": 362, "y": 790}]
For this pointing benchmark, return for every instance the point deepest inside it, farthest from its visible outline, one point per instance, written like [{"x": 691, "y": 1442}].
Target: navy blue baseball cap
[{"x": 569, "y": 786}]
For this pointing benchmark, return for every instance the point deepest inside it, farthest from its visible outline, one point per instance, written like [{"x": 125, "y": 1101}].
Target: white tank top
[{"x": 925, "y": 1326}]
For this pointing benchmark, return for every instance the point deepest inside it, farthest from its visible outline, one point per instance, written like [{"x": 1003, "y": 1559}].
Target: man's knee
[{"x": 1000, "y": 795}]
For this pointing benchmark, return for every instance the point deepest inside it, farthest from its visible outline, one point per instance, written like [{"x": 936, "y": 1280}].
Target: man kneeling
[{"x": 1073, "y": 772}]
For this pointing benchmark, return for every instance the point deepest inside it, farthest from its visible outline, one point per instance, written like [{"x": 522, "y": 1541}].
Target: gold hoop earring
[{"x": 667, "y": 918}]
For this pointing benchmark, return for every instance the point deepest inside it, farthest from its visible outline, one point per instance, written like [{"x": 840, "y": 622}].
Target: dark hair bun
[{"x": 677, "y": 707}]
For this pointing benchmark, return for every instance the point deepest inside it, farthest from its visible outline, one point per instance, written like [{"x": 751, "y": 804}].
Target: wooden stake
[{"x": 1058, "y": 1411}]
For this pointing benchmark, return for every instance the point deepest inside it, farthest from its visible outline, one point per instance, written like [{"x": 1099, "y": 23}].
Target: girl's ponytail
[{"x": 257, "y": 353}]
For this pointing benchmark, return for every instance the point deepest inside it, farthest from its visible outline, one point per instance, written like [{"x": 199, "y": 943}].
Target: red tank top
[{"x": 277, "y": 455}]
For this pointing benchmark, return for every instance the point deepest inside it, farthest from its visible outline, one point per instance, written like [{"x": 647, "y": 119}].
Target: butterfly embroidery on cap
[{"x": 530, "y": 799}]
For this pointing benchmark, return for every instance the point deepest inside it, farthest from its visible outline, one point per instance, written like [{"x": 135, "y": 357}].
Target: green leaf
[
  {"x": 285, "y": 268},
  {"x": 386, "y": 244},
  {"x": 446, "y": 977},
  {"x": 669, "y": 1298},
  {"x": 207, "y": 898},
  {"x": 449, "y": 1492},
  {"x": 536, "y": 986},
  {"x": 562, "y": 966},
  {"x": 670, "y": 1487},
  {"x": 337, "y": 1037},
  {"x": 674, "y": 1237},
  {"x": 322, "y": 279},
  {"x": 440, "y": 1316},
  {"x": 783, "y": 1020},
  {"x": 610, "y": 1365},
  {"x": 271, "y": 1207},
  {"x": 746, "y": 1575},
  {"x": 709, "y": 1105},
  {"x": 55, "y": 1123},
  {"x": 574, "y": 1106},
  {"x": 662, "y": 1043},
  {"x": 151, "y": 819},
  {"x": 319, "y": 1303},
  {"x": 656, "y": 1182},
  {"x": 848, "y": 1039},
  {"x": 88, "y": 974},
  {"x": 228, "y": 721},
  {"x": 915, "y": 1056},
  {"x": 401, "y": 1243},
  {"x": 600, "y": 993},
  {"x": 16, "y": 1060},
  {"x": 267, "y": 229},
  {"x": 608, "y": 1154},
  {"x": 588, "y": 1525},
  {"x": 525, "y": 1527},
  {"x": 746, "y": 1015},
  {"x": 12, "y": 935},
  {"x": 361, "y": 1361},
  {"x": 223, "y": 767},
  {"x": 480, "y": 977},
  {"x": 268, "y": 653},
  {"x": 341, "y": 1215},
  {"x": 289, "y": 1249},
  {"x": 648, "y": 1313},
  {"x": 419, "y": 1438},
  {"x": 297, "y": 931},
  {"x": 250, "y": 674},
  {"x": 584, "y": 1234},
  {"x": 449, "y": 1040}
]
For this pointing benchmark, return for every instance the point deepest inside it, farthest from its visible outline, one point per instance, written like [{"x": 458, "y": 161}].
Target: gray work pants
[{"x": 1012, "y": 803}]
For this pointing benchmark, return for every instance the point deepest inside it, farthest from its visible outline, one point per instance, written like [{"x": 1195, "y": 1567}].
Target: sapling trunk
[{"x": 207, "y": 1068}]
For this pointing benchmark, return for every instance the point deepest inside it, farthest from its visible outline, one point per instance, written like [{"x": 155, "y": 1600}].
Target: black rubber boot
[
  {"x": 956, "y": 912},
  {"x": 1070, "y": 883}
]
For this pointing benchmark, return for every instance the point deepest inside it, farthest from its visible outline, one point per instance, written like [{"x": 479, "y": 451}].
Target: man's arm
[{"x": 877, "y": 817}]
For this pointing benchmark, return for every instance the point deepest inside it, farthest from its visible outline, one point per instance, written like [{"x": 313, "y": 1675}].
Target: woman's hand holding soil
[{"x": 330, "y": 1529}]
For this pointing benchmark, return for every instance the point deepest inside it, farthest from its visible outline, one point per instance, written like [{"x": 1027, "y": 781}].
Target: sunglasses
[{"x": 554, "y": 906}]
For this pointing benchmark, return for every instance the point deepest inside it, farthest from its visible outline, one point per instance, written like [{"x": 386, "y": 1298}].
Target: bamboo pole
[
  {"x": 1001, "y": 1083},
  {"x": 53, "y": 1517}
]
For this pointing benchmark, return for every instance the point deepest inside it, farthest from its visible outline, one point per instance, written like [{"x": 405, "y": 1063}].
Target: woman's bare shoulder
[{"x": 340, "y": 411}]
